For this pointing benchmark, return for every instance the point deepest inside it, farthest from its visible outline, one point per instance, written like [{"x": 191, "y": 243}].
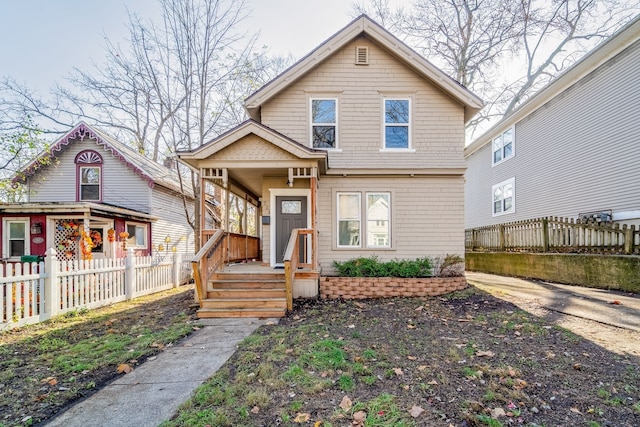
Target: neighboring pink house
[{"x": 95, "y": 186}]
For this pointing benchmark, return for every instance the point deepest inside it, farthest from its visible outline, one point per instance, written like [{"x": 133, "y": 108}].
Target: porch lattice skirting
[{"x": 378, "y": 287}]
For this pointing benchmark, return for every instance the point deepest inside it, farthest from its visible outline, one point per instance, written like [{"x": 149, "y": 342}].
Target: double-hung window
[
  {"x": 89, "y": 167},
  {"x": 324, "y": 123},
  {"x": 503, "y": 146},
  {"x": 375, "y": 226},
  {"x": 503, "y": 197},
  {"x": 16, "y": 240},
  {"x": 397, "y": 117}
]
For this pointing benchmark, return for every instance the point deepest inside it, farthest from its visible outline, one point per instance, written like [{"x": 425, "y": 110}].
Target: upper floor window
[
  {"x": 503, "y": 197},
  {"x": 503, "y": 146},
  {"x": 324, "y": 121},
  {"x": 89, "y": 178},
  {"x": 16, "y": 238},
  {"x": 396, "y": 123}
]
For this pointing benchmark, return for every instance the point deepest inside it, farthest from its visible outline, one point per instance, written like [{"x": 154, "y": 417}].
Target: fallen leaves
[
  {"x": 124, "y": 368},
  {"x": 302, "y": 418},
  {"x": 416, "y": 411},
  {"x": 346, "y": 403}
]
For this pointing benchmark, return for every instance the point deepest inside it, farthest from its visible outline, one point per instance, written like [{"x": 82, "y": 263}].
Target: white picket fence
[{"x": 34, "y": 292}]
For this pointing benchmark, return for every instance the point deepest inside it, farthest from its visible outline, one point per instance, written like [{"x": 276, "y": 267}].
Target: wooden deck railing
[
  {"x": 242, "y": 248},
  {"x": 219, "y": 248},
  {"x": 292, "y": 261},
  {"x": 208, "y": 259},
  {"x": 553, "y": 234}
]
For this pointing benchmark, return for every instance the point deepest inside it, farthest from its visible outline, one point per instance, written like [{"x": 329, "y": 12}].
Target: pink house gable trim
[{"x": 81, "y": 132}]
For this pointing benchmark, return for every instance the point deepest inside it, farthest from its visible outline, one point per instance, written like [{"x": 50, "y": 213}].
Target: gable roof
[
  {"x": 622, "y": 39},
  {"x": 152, "y": 172},
  {"x": 244, "y": 129},
  {"x": 364, "y": 25}
]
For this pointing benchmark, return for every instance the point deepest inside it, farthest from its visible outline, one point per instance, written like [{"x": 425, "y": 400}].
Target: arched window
[{"x": 89, "y": 176}]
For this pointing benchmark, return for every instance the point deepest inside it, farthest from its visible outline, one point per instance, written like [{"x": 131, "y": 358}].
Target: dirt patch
[{"x": 467, "y": 359}]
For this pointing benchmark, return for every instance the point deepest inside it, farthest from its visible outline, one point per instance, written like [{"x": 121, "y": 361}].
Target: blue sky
[{"x": 42, "y": 40}]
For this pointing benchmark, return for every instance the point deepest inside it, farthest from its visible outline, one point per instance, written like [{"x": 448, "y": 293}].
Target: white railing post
[
  {"x": 130, "y": 275},
  {"x": 51, "y": 289},
  {"x": 177, "y": 269}
]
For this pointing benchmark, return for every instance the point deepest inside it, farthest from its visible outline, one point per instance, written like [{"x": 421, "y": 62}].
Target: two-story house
[
  {"x": 571, "y": 150},
  {"x": 93, "y": 187},
  {"x": 360, "y": 141}
]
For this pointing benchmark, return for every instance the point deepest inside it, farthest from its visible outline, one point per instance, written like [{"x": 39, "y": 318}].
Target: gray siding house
[
  {"x": 572, "y": 150},
  {"x": 360, "y": 141},
  {"x": 94, "y": 184}
]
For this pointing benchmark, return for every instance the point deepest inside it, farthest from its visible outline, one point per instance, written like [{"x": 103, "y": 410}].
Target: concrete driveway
[{"x": 609, "y": 318}]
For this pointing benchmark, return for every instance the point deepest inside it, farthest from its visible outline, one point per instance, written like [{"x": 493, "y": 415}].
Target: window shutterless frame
[
  {"x": 396, "y": 118},
  {"x": 349, "y": 220},
  {"x": 503, "y": 198},
  {"x": 324, "y": 123},
  {"x": 503, "y": 146}
]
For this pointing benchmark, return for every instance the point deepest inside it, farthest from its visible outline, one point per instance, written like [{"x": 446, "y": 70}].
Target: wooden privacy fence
[
  {"x": 553, "y": 234},
  {"x": 34, "y": 292}
]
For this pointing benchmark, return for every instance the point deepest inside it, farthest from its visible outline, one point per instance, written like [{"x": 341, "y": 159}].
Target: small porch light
[{"x": 36, "y": 228}]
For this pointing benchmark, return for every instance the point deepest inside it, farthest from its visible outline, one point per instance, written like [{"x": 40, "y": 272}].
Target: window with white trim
[
  {"x": 378, "y": 220},
  {"x": 349, "y": 224},
  {"x": 324, "y": 122},
  {"x": 397, "y": 123},
  {"x": 89, "y": 169},
  {"x": 504, "y": 197},
  {"x": 137, "y": 235},
  {"x": 375, "y": 226},
  {"x": 503, "y": 146},
  {"x": 16, "y": 238}
]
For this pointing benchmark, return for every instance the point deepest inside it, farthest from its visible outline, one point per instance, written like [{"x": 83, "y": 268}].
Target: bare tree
[{"x": 474, "y": 41}]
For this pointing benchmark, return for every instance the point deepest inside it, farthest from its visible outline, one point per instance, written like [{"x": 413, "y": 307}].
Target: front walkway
[{"x": 153, "y": 392}]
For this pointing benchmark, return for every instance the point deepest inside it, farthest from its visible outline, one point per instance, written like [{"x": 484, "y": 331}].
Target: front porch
[
  {"x": 230, "y": 282},
  {"x": 258, "y": 206}
]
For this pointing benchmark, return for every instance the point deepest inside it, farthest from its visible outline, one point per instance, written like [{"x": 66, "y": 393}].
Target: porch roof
[
  {"x": 250, "y": 152},
  {"x": 58, "y": 208}
]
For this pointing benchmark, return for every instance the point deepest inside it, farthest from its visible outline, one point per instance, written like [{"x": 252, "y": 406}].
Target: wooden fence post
[
  {"x": 501, "y": 237},
  {"x": 628, "y": 238},
  {"x": 51, "y": 289},
  {"x": 545, "y": 234},
  {"x": 130, "y": 275},
  {"x": 177, "y": 269}
]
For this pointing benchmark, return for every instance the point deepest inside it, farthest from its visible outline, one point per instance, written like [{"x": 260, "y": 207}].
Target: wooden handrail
[
  {"x": 206, "y": 261},
  {"x": 292, "y": 260}
]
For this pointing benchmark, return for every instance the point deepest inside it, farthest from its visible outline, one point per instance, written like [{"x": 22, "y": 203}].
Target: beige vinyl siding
[
  {"x": 578, "y": 153},
  {"x": 426, "y": 213},
  {"x": 437, "y": 132},
  {"x": 121, "y": 186},
  {"x": 168, "y": 206}
]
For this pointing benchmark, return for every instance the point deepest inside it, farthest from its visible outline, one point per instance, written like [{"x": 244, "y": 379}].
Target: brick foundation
[{"x": 379, "y": 287}]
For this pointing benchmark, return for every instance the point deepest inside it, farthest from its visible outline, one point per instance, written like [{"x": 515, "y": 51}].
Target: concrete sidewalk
[
  {"x": 615, "y": 308},
  {"x": 153, "y": 391}
]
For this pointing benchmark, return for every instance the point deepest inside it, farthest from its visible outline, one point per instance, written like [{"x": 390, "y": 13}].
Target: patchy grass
[
  {"x": 47, "y": 366},
  {"x": 466, "y": 359}
]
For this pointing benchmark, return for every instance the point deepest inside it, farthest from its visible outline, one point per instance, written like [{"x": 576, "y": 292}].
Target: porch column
[
  {"x": 314, "y": 225},
  {"x": 202, "y": 206}
]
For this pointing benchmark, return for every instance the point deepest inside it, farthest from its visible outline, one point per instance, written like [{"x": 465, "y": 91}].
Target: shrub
[{"x": 373, "y": 267}]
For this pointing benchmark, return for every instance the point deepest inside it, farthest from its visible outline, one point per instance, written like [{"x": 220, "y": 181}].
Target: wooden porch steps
[{"x": 245, "y": 295}]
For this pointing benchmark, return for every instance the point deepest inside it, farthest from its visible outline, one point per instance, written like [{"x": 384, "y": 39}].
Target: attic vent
[{"x": 362, "y": 55}]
